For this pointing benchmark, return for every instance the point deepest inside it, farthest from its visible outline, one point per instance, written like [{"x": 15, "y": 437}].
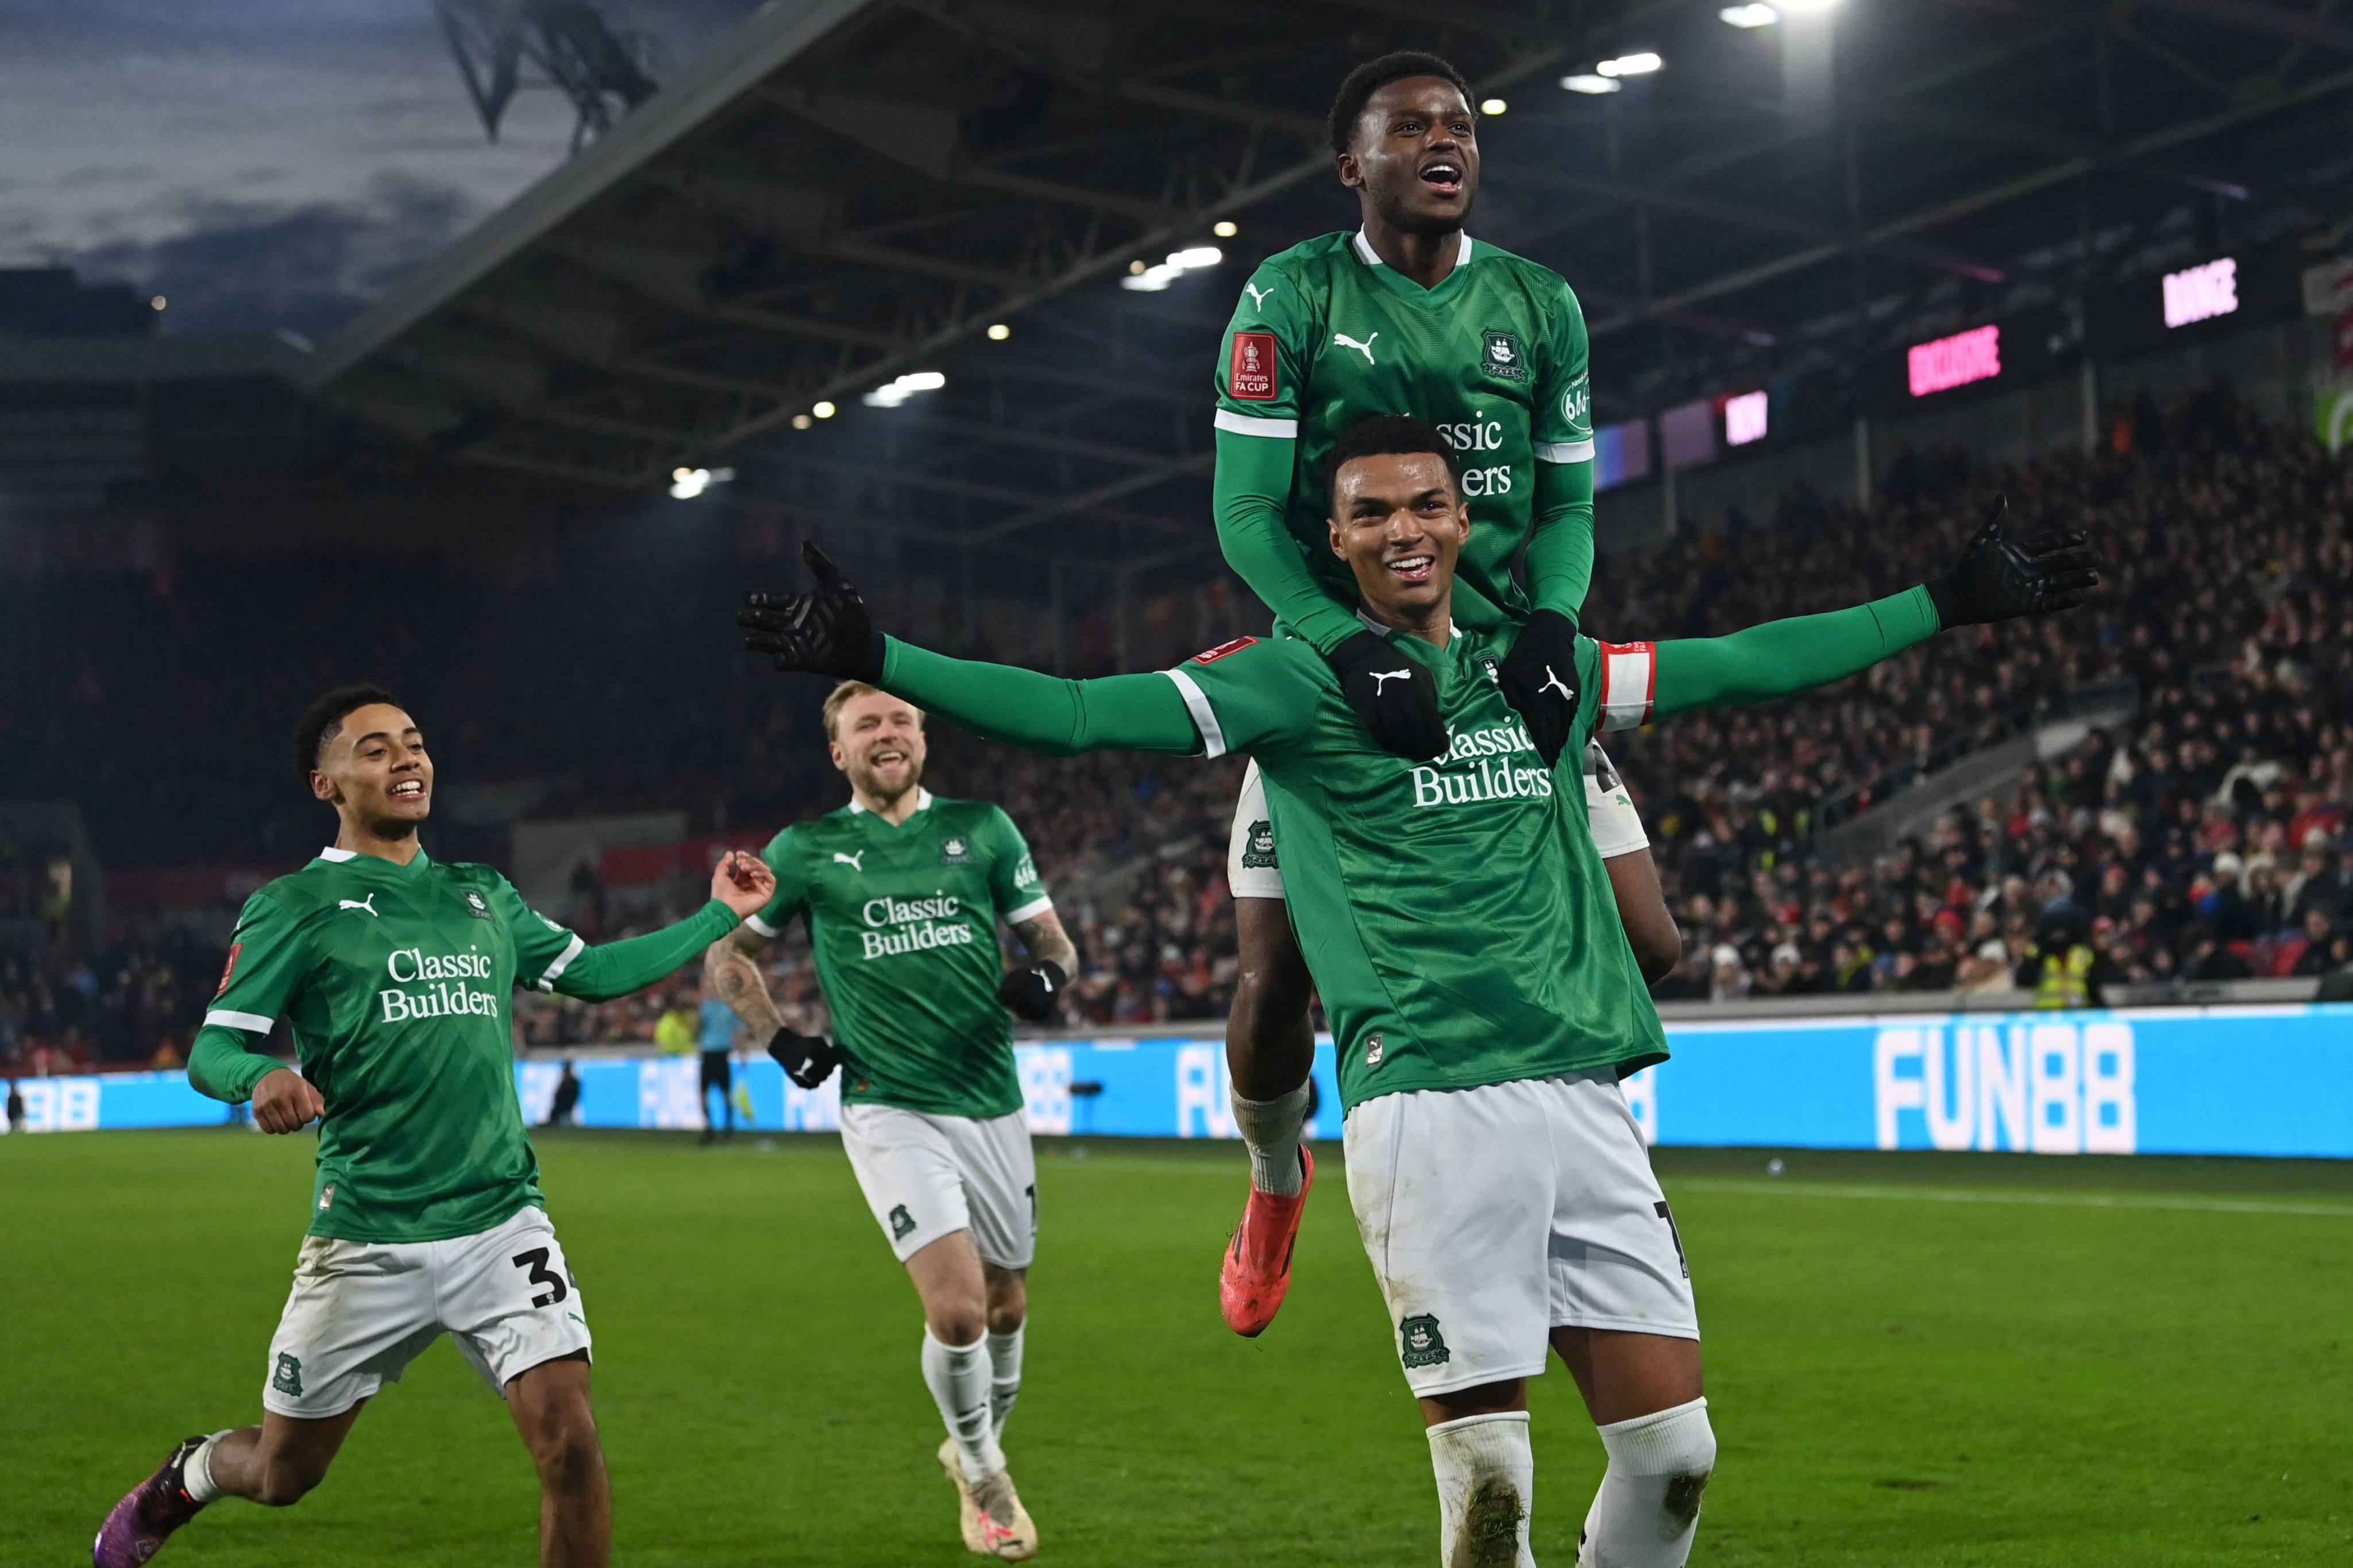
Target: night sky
[{"x": 268, "y": 164}]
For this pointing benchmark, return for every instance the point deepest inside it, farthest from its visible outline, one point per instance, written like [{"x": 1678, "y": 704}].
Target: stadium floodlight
[
  {"x": 1757, "y": 16},
  {"x": 1591, "y": 84},
  {"x": 822, "y": 410},
  {"x": 998, "y": 331},
  {"x": 156, "y": 303},
  {"x": 1147, "y": 279},
  {"x": 802, "y": 421},
  {"x": 1492, "y": 106},
  {"x": 685, "y": 484},
  {"x": 1808, "y": 7},
  {"x": 1225, "y": 228},
  {"x": 1643, "y": 62},
  {"x": 892, "y": 393}
]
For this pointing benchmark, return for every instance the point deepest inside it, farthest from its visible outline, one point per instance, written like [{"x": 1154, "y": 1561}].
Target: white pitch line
[{"x": 2050, "y": 1200}]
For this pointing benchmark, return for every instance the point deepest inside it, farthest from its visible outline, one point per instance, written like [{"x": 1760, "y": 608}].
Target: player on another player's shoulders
[
  {"x": 1407, "y": 314},
  {"x": 392, "y": 971},
  {"x": 902, "y": 891},
  {"x": 1482, "y": 997}
]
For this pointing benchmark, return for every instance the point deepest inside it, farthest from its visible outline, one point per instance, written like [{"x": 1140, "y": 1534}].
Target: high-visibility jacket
[{"x": 2066, "y": 981}]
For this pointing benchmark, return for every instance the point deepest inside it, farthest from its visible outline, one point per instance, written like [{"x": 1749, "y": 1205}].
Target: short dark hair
[
  {"x": 1359, "y": 86},
  {"x": 326, "y": 716},
  {"x": 1380, "y": 434}
]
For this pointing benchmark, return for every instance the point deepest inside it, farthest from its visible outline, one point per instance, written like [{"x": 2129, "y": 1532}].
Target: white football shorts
[
  {"x": 362, "y": 1311},
  {"x": 1252, "y": 871},
  {"x": 1493, "y": 1216},
  {"x": 928, "y": 1177}
]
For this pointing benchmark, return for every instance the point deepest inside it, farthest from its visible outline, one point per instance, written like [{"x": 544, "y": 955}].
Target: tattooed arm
[
  {"x": 731, "y": 970},
  {"x": 1046, "y": 942}
]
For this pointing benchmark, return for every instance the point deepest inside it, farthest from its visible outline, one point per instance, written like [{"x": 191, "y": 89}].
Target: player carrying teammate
[
  {"x": 1484, "y": 1004},
  {"x": 392, "y": 970},
  {"x": 1405, "y": 315},
  {"x": 903, "y": 891}
]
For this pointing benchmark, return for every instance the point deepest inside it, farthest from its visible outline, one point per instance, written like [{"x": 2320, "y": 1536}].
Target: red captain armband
[
  {"x": 230, "y": 967},
  {"x": 1250, "y": 368},
  {"x": 1222, "y": 650}
]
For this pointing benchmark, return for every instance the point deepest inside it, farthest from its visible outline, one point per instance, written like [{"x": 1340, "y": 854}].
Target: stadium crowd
[{"x": 2205, "y": 837}]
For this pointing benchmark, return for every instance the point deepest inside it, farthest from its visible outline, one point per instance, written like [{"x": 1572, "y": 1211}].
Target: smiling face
[
  {"x": 373, "y": 770},
  {"x": 1399, "y": 523},
  {"x": 1414, "y": 155},
  {"x": 878, "y": 741}
]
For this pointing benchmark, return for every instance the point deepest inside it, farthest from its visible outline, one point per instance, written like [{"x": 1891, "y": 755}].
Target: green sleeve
[
  {"x": 1042, "y": 712},
  {"x": 1013, "y": 881},
  {"x": 792, "y": 887},
  {"x": 614, "y": 968},
  {"x": 1560, "y": 545},
  {"x": 267, "y": 959},
  {"x": 1249, "y": 496},
  {"x": 1780, "y": 658}
]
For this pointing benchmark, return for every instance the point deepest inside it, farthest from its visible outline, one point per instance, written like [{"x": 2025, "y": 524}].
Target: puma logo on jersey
[
  {"x": 367, "y": 903},
  {"x": 1257, "y": 295},
  {"x": 1553, "y": 682},
  {"x": 1365, "y": 348},
  {"x": 1381, "y": 676},
  {"x": 851, "y": 860}
]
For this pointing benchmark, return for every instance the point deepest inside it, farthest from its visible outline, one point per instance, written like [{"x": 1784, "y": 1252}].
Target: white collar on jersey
[
  {"x": 923, "y": 801},
  {"x": 331, "y": 852},
  {"x": 1378, "y": 630},
  {"x": 1371, "y": 257}
]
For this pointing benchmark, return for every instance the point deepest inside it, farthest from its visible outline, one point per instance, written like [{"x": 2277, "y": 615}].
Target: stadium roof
[{"x": 849, "y": 190}]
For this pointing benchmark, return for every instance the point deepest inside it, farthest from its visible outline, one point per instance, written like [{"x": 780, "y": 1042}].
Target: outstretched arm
[
  {"x": 554, "y": 959},
  {"x": 1781, "y": 659},
  {"x": 1043, "y": 712}
]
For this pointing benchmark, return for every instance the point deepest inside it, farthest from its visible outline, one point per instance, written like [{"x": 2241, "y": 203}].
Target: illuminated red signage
[{"x": 1947, "y": 362}]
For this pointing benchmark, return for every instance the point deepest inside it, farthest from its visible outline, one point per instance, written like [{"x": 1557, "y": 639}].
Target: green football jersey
[
  {"x": 1456, "y": 917},
  {"x": 903, "y": 924},
  {"x": 393, "y": 980},
  {"x": 1494, "y": 356}
]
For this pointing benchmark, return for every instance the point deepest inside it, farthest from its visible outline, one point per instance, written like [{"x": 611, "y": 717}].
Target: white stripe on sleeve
[
  {"x": 1630, "y": 682},
  {"x": 1251, "y": 424},
  {"x": 1205, "y": 718},
  {"x": 254, "y": 1022},
  {"x": 562, "y": 963},
  {"x": 762, "y": 927},
  {"x": 1565, "y": 451},
  {"x": 1038, "y": 906}
]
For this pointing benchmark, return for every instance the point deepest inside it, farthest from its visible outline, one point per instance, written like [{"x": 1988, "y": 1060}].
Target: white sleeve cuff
[
  {"x": 1565, "y": 451},
  {"x": 1251, "y": 424},
  {"x": 1205, "y": 718},
  {"x": 563, "y": 962},
  {"x": 1028, "y": 911},
  {"x": 762, "y": 926},
  {"x": 253, "y": 1022}
]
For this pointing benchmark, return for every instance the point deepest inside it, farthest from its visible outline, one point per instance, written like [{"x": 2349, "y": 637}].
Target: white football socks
[
  {"x": 958, "y": 1377},
  {"x": 196, "y": 1472},
  {"x": 1647, "y": 1510},
  {"x": 1270, "y": 1129},
  {"x": 1486, "y": 1482},
  {"x": 1005, "y": 1378}
]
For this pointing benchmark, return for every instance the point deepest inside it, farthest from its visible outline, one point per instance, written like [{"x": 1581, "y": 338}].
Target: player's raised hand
[
  {"x": 286, "y": 1102},
  {"x": 742, "y": 882},
  {"x": 2000, "y": 578},
  {"x": 825, "y": 631},
  {"x": 1539, "y": 680},
  {"x": 1394, "y": 695}
]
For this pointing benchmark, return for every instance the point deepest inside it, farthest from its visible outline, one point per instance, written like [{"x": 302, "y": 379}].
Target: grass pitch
[{"x": 1912, "y": 1360}]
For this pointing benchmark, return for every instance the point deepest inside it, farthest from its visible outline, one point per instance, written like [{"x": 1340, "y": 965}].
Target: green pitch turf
[{"x": 1912, "y": 1360}]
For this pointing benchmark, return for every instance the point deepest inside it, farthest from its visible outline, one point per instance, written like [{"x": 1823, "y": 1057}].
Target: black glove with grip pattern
[
  {"x": 2000, "y": 578},
  {"x": 827, "y": 632}
]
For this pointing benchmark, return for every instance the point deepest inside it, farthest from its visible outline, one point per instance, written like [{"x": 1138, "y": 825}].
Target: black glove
[
  {"x": 827, "y": 632},
  {"x": 1539, "y": 680},
  {"x": 1393, "y": 694},
  {"x": 807, "y": 1059},
  {"x": 2000, "y": 578},
  {"x": 1035, "y": 994}
]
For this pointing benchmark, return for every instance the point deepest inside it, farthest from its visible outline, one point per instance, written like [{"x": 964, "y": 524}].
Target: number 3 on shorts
[{"x": 541, "y": 1274}]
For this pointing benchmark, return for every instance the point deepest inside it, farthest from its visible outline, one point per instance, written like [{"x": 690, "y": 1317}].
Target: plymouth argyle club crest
[
  {"x": 903, "y": 1224},
  {"x": 1420, "y": 1344},
  {"x": 1500, "y": 355},
  {"x": 477, "y": 906},
  {"x": 955, "y": 850},
  {"x": 286, "y": 1378},
  {"x": 1258, "y": 846}
]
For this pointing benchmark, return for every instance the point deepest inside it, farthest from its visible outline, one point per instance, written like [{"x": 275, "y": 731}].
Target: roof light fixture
[
  {"x": 1643, "y": 62},
  {"x": 1589, "y": 83},
  {"x": 892, "y": 393}
]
